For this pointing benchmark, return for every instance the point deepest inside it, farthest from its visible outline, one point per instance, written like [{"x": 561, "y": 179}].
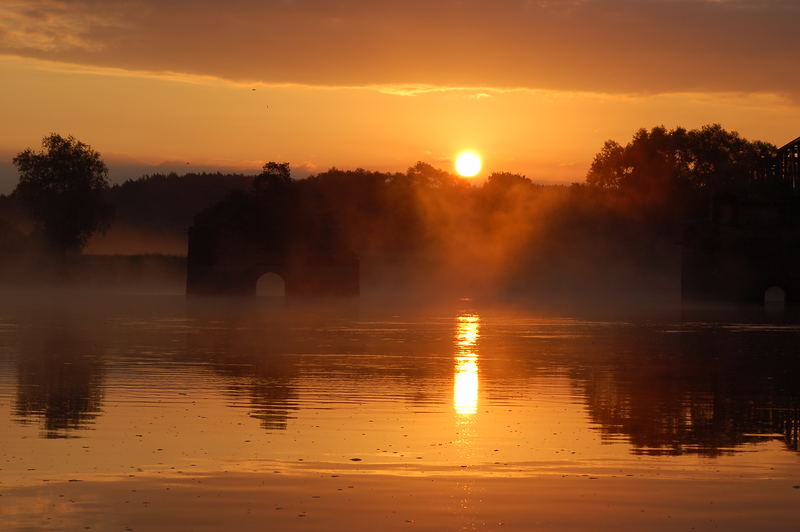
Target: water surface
[{"x": 162, "y": 413}]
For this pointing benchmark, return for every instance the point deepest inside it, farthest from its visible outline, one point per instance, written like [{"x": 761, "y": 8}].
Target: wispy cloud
[
  {"x": 471, "y": 92},
  {"x": 407, "y": 90},
  {"x": 54, "y": 26},
  {"x": 619, "y": 46}
]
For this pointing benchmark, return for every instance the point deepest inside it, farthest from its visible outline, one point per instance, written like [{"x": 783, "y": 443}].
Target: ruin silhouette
[
  {"x": 745, "y": 248},
  {"x": 787, "y": 165},
  {"x": 749, "y": 243},
  {"x": 225, "y": 262},
  {"x": 277, "y": 227}
]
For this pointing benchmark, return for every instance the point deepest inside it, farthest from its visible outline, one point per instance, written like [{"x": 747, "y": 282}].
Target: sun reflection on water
[{"x": 465, "y": 385}]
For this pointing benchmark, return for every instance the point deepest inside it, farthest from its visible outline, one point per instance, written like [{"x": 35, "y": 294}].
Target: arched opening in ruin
[
  {"x": 271, "y": 284},
  {"x": 774, "y": 295}
]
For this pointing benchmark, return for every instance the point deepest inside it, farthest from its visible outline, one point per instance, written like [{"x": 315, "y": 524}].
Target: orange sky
[{"x": 535, "y": 86}]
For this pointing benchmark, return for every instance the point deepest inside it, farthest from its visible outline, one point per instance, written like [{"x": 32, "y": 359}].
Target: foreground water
[{"x": 161, "y": 413}]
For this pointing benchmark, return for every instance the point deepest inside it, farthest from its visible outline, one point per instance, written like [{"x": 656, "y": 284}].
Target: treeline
[
  {"x": 619, "y": 231},
  {"x": 169, "y": 202},
  {"x": 158, "y": 205},
  {"x": 679, "y": 172},
  {"x": 622, "y": 227},
  {"x": 428, "y": 228}
]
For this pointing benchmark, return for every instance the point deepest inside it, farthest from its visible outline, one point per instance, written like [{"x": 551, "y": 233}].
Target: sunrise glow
[{"x": 468, "y": 164}]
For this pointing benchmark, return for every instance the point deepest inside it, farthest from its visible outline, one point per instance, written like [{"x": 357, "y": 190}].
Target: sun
[{"x": 468, "y": 164}]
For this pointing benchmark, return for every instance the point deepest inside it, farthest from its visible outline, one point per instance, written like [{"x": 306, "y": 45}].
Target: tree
[
  {"x": 659, "y": 163},
  {"x": 608, "y": 169},
  {"x": 651, "y": 166},
  {"x": 273, "y": 176},
  {"x": 427, "y": 176},
  {"x": 506, "y": 180},
  {"x": 63, "y": 187}
]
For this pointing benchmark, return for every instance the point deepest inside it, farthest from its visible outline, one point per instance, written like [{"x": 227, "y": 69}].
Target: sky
[{"x": 534, "y": 86}]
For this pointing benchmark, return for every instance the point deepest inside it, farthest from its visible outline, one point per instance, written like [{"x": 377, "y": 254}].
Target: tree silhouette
[
  {"x": 659, "y": 163},
  {"x": 63, "y": 187},
  {"x": 273, "y": 176}
]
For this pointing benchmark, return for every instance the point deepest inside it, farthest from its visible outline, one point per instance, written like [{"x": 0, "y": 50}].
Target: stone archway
[
  {"x": 774, "y": 296},
  {"x": 270, "y": 284},
  {"x": 226, "y": 262}
]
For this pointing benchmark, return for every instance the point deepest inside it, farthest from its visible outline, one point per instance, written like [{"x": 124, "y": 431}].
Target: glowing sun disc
[{"x": 468, "y": 164}]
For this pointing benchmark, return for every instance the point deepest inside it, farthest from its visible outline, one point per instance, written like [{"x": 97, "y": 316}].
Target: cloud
[
  {"x": 51, "y": 26},
  {"x": 417, "y": 90},
  {"x": 640, "y": 46},
  {"x": 198, "y": 79}
]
